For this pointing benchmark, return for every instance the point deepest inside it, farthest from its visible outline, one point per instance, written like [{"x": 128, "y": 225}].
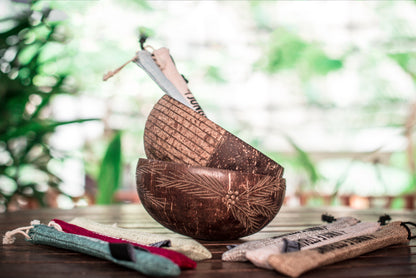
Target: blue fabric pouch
[{"x": 122, "y": 254}]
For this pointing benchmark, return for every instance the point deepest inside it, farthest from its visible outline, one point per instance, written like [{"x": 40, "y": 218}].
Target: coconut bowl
[
  {"x": 177, "y": 133},
  {"x": 208, "y": 203}
]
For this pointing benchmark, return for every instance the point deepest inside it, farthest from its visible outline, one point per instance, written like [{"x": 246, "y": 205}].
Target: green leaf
[
  {"x": 30, "y": 76},
  {"x": 109, "y": 178},
  {"x": 285, "y": 49},
  {"x": 315, "y": 61},
  {"x": 305, "y": 161},
  {"x": 288, "y": 51},
  {"x": 27, "y": 54},
  {"x": 38, "y": 127},
  {"x": 406, "y": 61}
]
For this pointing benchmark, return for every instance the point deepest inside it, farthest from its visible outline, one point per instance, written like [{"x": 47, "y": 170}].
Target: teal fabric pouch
[{"x": 122, "y": 254}]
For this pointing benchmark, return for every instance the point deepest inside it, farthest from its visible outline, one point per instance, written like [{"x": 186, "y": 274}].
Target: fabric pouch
[
  {"x": 187, "y": 246},
  {"x": 238, "y": 253},
  {"x": 260, "y": 256},
  {"x": 178, "y": 258},
  {"x": 295, "y": 263},
  {"x": 123, "y": 254}
]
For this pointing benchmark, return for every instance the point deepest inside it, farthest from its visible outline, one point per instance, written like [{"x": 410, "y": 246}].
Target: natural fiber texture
[
  {"x": 178, "y": 258},
  {"x": 238, "y": 254},
  {"x": 260, "y": 256},
  {"x": 144, "y": 262},
  {"x": 186, "y": 246},
  {"x": 296, "y": 263}
]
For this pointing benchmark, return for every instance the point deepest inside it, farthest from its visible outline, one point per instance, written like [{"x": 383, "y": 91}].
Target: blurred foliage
[
  {"x": 32, "y": 71},
  {"x": 397, "y": 203},
  {"x": 214, "y": 74},
  {"x": 111, "y": 168},
  {"x": 286, "y": 50},
  {"x": 36, "y": 65},
  {"x": 303, "y": 159},
  {"x": 140, "y": 4},
  {"x": 260, "y": 18},
  {"x": 407, "y": 61},
  {"x": 145, "y": 31}
]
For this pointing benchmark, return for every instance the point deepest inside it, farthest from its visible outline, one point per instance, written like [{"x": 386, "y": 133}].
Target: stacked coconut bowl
[{"x": 200, "y": 180}]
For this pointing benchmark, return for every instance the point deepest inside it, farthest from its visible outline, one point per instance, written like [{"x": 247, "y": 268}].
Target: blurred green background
[{"x": 325, "y": 88}]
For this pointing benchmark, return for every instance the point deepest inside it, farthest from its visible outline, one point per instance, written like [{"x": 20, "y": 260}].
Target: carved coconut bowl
[
  {"x": 175, "y": 132},
  {"x": 208, "y": 203}
]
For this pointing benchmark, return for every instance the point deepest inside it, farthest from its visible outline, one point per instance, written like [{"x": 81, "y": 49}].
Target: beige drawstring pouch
[
  {"x": 295, "y": 263},
  {"x": 238, "y": 253},
  {"x": 259, "y": 257},
  {"x": 187, "y": 246}
]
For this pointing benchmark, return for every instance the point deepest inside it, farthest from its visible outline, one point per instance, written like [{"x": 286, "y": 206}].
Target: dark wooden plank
[{"x": 23, "y": 259}]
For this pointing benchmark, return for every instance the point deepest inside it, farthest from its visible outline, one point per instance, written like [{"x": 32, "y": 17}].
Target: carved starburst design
[{"x": 249, "y": 205}]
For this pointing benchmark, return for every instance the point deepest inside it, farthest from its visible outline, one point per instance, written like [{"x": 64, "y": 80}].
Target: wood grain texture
[
  {"x": 26, "y": 260},
  {"x": 175, "y": 132}
]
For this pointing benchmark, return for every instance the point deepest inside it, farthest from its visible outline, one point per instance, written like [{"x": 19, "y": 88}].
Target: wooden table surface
[{"x": 22, "y": 259}]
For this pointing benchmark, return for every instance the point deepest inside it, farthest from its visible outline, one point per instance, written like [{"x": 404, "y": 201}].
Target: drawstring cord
[
  {"x": 9, "y": 237},
  {"x": 110, "y": 74},
  {"x": 142, "y": 41},
  {"x": 409, "y": 232},
  {"x": 55, "y": 225}
]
